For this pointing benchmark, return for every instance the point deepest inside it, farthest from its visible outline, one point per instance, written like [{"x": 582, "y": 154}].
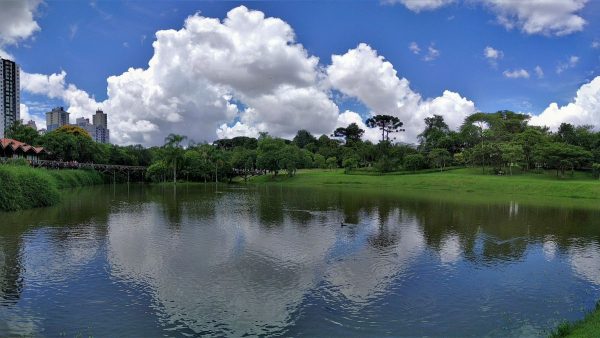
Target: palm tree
[{"x": 174, "y": 151}]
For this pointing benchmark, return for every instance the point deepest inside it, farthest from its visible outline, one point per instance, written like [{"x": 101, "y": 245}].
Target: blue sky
[{"x": 92, "y": 41}]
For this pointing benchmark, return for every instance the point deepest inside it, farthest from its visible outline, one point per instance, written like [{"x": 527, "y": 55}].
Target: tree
[
  {"x": 439, "y": 157},
  {"x": 157, "y": 171},
  {"x": 70, "y": 144},
  {"x": 351, "y": 134},
  {"x": 331, "y": 163},
  {"x": 562, "y": 156},
  {"x": 320, "y": 161},
  {"x": 529, "y": 139},
  {"x": 23, "y": 133},
  {"x": 174, "y": 152},
  {"x": 512, "y": 153},
  {"x": 303, "y": 138},
  {"x": 73, "y": 130},
  {"x": 435, "y": 132},
  {"x": 268, "y": 152},
  {"x": 243, "y": 160},
  {"x": 414, "y": 162},
  {"x": 386, "y": 123},
  {"x": 290, "y": 158},
  {"x": 350, "y": 163},
  {"x": 596, "y": 170}
]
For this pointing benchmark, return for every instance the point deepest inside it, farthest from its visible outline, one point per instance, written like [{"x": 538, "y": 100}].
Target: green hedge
[{"x": 23, "y": 187}]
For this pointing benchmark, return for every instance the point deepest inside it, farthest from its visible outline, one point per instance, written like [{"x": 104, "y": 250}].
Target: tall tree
[
  {"x": 439, "y": 157},
  {"x": 435, "y": 131},
  {"x": 303, "y": 137},
  {"x": 23, "y": 133},
  {"x": 174, "y": 151},
  {"x": 386, "y": 123},
  {"x": 351, "y": 134}
]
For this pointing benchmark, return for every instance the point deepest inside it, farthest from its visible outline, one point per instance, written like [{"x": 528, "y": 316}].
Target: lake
[{"x": 267, "y": 260}]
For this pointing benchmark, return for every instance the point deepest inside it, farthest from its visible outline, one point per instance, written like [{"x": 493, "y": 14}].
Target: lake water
[{"x": 232, "y": 261}]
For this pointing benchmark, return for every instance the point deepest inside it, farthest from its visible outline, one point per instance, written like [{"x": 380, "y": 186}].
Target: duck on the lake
[{"x": 342, "y": 224}]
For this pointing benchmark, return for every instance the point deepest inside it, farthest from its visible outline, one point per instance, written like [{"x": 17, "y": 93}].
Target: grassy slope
[
  {"x": 588, "y": 327},
  {"x": 23, "y": 187},
  {"x": 468, "y": 184}
]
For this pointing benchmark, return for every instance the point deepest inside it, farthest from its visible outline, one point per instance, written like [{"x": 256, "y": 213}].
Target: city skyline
[{"x": 212, "y": 70}]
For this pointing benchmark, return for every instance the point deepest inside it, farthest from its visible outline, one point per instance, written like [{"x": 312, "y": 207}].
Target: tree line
[{"x": 500, "y": 143}]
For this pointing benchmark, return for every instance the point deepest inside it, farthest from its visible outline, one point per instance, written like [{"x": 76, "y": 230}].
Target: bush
[{"x": 24, "y": 187}]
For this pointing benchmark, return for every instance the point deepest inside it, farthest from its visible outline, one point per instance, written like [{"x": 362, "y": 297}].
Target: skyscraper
[
  {"x": 10, "y": 95},
  {"x": 56, "y": 118},
  {"x": 102, "y": 134}
]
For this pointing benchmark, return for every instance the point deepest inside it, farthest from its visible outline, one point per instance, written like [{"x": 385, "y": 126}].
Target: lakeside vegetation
[
  {"x": 501, "y": 143},
  {"x": 587, "y": 327},
  {"x": 24, "y": 187},
  {"x": 464, "y": 184}
]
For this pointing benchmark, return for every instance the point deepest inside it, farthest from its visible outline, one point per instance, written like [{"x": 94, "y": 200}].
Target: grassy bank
[
  {"x": 465, "y": 184},
  {"x": 23, "y": 187},
  {"x": 588, "y": 327}
]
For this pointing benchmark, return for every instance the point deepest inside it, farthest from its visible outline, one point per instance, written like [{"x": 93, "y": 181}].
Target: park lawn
[{"x": 464, "y": 184}]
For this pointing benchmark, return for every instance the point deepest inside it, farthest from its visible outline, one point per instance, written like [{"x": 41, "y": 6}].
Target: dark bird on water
[{"x": 342, "y": 224}]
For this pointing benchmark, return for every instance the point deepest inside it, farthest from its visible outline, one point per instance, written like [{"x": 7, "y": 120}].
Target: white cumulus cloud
[
  {"x": 547, "y": 17},
  {"x": 421, "y": 5},
  {"x": 367, "y": 76},
  {"x": 246, "y": 67},
  {"x": 516, "y": 74},
  {"x": 17, "y": 20},
  {"x": 493, "y": 55},
  {"x": 584, "y": 109}
]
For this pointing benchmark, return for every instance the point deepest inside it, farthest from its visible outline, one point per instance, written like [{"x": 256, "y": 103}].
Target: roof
[{"x": 6, "y": 143}]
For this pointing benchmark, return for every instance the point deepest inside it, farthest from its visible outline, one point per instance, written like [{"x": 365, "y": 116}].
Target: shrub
[{"x": 24, "y": 187}]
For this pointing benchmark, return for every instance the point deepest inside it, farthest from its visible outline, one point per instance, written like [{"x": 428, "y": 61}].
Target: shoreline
[
  {"x": 589, "y": 326},
  {"x": 460, "y": 185}
]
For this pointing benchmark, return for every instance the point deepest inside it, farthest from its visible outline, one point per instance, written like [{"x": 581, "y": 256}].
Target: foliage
[
  {"x": 304, "y": 138},
  {"x": 157, "y": 171},
  {"x": 23, "y": 133},
  {"x": 439, "y": 157},
  {"x": 386, "y": 123},
  {"x": 331, "y": 162},
  {"x": 351, "y": 134},
  {"x": 588, "y": 327},
  {"x": 350, "y": 163},
  {"x": 24, "y": 187},
  {"x": 414, "y": 162}
]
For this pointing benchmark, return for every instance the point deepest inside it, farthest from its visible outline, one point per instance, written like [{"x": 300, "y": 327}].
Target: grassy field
[
  {"x": 466, "y": 184},
  {"x": 588, "y": 327},
  {"x": 23, "y": 187}
]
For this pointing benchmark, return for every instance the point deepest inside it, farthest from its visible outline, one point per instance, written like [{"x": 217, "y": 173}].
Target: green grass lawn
[
  {"x": 587, "y": 328},
  {"x": 468, "y": 184}
]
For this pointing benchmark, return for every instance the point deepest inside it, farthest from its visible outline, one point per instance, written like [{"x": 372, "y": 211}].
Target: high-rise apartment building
[
  {"x": 10, "y": 95},
  {"x": 56, "y": 118},
  {"x": 102, "y": 134},
  {"x": 97, "y": 131},
  {"x": 31, "y": 124}
]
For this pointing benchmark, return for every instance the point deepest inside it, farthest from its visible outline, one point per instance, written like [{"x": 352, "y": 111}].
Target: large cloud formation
[
  {"x": 247, "y": 68},
  {"x": 585, "y": 108},
  {"x": 367, "y": 76},
  {"x": 17, "y": 22},
  {"x": 240, "y": 76},
  {"x": 548, "y": 17}
]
